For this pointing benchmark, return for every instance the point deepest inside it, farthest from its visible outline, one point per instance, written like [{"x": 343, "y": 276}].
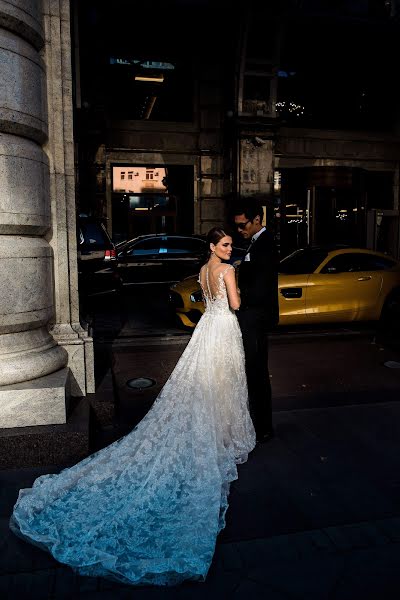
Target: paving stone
[
  {"x": 357, "y": 535},
  {"x": 370, "y": 574},
  {"x": 6, "y": 586},
  {"x": 314, "y": 578},
  {"x": 18, "y": 555},
  {"x": 312, "y": 543},
  {"x": 251, "y": 590},
  {"x": 229, "y": 557},
  {"x": 257, "y": 553},
  {"x": 219, "y": 584},
  {"x": 66, "y": 584},
  {"x": 137, "y": 593},
  {"x": 390, "y": 528},
  {"x": 87, "y": 584},
  {"x": 37, "y": 585}
]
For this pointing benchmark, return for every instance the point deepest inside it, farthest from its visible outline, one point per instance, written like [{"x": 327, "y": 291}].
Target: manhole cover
[
  {"x": 140, "y": 383},
  {"x": 392, "y": 364}
]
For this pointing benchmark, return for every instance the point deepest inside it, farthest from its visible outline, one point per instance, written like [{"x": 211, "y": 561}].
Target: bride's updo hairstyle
[{"x": 214, "y": 236}]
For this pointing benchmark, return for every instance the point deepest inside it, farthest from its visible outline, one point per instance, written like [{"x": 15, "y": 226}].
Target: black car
[
  {"x": 97, "y": 257},
  {"x": 160, "y": 258}
]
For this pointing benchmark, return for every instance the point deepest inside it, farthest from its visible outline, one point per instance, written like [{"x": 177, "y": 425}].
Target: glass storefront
[
  {"x": 151, "y": 199},
  {"x": 320, "y": 206}
]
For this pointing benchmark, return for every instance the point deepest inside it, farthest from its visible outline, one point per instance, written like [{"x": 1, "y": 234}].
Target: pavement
[{"x": 314, "y": 514}]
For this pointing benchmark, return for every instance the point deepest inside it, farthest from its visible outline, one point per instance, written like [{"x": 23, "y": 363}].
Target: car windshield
[{"x": 302, "y": 261}]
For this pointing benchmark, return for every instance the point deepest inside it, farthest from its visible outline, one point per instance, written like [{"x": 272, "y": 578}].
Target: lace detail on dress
[{"x": 148, "y": 508}]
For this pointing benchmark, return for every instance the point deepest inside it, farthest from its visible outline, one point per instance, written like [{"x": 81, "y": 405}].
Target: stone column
[
  {"x": 33, "y": 377},
  {"x": 60, "y": 150}
]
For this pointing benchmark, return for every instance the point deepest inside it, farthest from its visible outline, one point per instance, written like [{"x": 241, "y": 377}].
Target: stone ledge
[
  {"x": 48, "y": 444},
  {"x": 41, "y": 401}
]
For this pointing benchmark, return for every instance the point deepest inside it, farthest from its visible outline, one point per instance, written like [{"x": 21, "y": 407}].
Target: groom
[{"x": 259, "y": 311}]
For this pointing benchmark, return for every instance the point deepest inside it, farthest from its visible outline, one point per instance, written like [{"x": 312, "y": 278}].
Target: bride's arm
[{"x": 231, "y": 288}]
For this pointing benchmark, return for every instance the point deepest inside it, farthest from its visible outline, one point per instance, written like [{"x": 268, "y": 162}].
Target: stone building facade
[{"x": 335, "y": 176}]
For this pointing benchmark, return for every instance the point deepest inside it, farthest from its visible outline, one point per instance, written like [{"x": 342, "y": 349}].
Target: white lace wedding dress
[{"x": 147, "y": 509}]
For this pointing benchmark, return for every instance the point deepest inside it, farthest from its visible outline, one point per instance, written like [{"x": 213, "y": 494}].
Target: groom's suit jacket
[{"x": 258, "y": 280}]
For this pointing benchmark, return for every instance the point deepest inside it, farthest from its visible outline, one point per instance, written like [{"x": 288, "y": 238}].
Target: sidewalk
[{"x": 315, "y": 513}]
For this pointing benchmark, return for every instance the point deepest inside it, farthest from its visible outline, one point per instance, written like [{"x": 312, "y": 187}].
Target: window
[
  {"x": 122, "y": 175},
  {"x": 352, "y": 262},
  {"x": 130, "y": 174},
  {"x": 256, "y": 94},
  {"x": 302, "y": 261},
  {"x": 185, "y": 246},
  {"x": 93, "y": 236},
  {"x": 145, "y": 247},
  {"x": 337, "y": 77},
  {"x": 380, "y": 192}
]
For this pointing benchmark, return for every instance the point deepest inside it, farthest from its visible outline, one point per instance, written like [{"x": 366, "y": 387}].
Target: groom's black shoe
[{"x": 265, "y": 437}]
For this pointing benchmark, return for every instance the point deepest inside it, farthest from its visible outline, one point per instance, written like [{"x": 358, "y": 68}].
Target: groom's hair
[{"x": 249, "y": 208}]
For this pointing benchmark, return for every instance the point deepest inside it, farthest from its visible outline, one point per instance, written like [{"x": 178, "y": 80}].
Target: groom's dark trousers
[
  {"x": 258, "y": 314},
  {"x": 255, "y": 342}
]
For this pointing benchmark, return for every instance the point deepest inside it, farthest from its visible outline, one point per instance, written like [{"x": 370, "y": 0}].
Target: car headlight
[{"x": 196, "y": 296}]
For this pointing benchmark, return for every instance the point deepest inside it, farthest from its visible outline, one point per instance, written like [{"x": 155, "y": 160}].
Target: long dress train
[{"x": 148, "y": 508}]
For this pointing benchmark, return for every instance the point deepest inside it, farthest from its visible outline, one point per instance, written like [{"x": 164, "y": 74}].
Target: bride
[{"x": 148, "y": 508}]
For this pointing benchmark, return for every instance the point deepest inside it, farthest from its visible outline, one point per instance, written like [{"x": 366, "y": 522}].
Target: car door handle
[
  {"x": 292, "y": 292},
  {"x": 366, "y": 278}
]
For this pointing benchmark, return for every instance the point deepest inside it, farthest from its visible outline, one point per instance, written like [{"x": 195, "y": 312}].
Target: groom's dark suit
[{"x": 259, "y": 312}]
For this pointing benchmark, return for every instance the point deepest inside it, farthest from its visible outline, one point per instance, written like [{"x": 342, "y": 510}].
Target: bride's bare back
[{"x": 216, "y": 280}]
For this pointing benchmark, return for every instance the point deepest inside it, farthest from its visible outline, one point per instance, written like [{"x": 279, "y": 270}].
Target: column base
[
  {"x": 41, "y": 401},
  {"x": 79, "y": 346}
]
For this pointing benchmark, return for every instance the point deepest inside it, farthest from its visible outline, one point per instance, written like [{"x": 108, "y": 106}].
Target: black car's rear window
[
  {"x": 185, "y": 245},
  {"x": 145, "y": 247},
  {"x": 302, "y": 261},
  {"x": 93, "y": 236}
]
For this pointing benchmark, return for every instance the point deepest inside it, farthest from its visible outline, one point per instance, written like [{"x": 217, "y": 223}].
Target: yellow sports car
[{"x": 318, "y": 285}]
